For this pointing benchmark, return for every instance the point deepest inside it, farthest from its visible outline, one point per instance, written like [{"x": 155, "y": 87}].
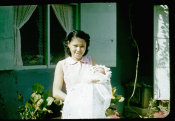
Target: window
[
  {"x": 32, "y": 38},
  {"x": 42, "y": 36},
  {"x": 57, "y": 35}
]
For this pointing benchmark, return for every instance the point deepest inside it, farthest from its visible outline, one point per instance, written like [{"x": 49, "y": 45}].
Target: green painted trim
[
  {"x": 77, "y": 16},
  {"x": 47, "y": 36},
  {"x": 30, "y": 67}
]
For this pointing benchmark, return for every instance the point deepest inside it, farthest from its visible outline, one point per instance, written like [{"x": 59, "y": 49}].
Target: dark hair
[{"x": 76, "y": 33}]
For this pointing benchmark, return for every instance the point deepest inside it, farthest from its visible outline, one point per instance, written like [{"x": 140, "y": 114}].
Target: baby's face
[{"x": 100, "y": 70}]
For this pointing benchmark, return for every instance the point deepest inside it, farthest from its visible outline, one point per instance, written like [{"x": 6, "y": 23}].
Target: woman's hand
[{"x": 94, "y": 81}]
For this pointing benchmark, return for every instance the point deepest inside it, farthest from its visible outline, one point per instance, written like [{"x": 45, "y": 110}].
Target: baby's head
[{"x": 99, "y": 70}]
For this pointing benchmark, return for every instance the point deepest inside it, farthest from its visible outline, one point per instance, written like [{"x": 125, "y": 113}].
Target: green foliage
[
  {"x": 41, "y": 105},
  {"x": 38, "y": 88},
  {"x": 157, "y": 109},
  {"x": 112, "y": 112}
]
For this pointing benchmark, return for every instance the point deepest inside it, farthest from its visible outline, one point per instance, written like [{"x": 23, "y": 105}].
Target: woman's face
[{"x": 77, "y": 48}]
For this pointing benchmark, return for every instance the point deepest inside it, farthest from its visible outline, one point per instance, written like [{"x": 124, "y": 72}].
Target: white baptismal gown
[{"x": 85, "y": 99}]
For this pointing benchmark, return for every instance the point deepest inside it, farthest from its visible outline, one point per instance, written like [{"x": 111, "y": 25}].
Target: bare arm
[
  {"x": 94, "y": 62},
  {"x": 58, "y": 83}
]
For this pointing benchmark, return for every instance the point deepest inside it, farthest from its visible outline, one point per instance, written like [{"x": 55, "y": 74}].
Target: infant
[
  {"x": 98, "y": 73},
  {"x": 99, "y": 69}
]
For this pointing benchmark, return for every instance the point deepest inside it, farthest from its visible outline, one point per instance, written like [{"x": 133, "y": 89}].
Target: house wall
[
  {"x": 21, "y": 81},
  {"x": 99, "y": 21},
  {"x": 6, "y": 38}
]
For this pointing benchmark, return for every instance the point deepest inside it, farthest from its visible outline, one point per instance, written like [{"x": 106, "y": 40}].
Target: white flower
[
  {"x": 112, "y": 97},
  {"x": 40, "y": 102},
  {"x": 44, "y": 109},
  {"x": 114, "y": 90},
  {"x": 49, "y": 100},
  {"x": 49, "y": 111},
  {"x": 33, "y": 95},
  {"x": 121, "y": 99}
]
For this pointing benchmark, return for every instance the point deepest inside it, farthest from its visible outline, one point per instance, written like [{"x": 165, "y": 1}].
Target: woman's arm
[
  {"x": 58, "y": 83},
  {"x": 94, "y": 62}
]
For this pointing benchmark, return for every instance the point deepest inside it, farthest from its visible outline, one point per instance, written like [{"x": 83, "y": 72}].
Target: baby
[
  {"x": 99, "y": 69},
  {"x": 98, "y": 74}
]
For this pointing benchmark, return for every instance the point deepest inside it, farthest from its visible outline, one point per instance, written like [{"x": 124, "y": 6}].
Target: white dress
[{"x": 85, "y": 99}]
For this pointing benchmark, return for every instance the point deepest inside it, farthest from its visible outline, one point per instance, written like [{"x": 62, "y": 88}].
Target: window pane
[
  {"x": 32, "y": 41},
  {"x": 57, "y": 35}
]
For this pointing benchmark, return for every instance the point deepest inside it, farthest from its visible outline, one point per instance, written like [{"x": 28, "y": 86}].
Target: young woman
[{"x": 88, "y": 88}]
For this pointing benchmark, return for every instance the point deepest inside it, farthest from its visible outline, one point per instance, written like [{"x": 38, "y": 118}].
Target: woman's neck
[{"x": 76, "y": 59}]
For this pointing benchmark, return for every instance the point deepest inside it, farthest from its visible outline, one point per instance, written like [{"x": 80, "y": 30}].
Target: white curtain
[
  {"x": 22, "y": 14},
  {"x": 64, "y": 14}
]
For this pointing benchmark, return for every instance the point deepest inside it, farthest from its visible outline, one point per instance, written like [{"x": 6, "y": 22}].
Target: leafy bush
[
  {"x": 41, "y": 105},
  {"x": 157, "y": 109},
  {"x": 112, "y": 112}
]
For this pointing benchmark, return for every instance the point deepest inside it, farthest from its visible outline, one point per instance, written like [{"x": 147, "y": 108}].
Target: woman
[{"x": 88, "y": 87}]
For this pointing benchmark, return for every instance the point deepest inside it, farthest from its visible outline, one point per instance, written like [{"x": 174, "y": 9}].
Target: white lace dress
[{"x": 85, "y": 99}]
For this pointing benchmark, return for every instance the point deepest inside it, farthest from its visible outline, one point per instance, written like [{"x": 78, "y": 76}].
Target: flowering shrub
[
  {"x": 157, "y": 109},
  {"x": 41, "y": 105},
  {"x": 112, "y": 112}
]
